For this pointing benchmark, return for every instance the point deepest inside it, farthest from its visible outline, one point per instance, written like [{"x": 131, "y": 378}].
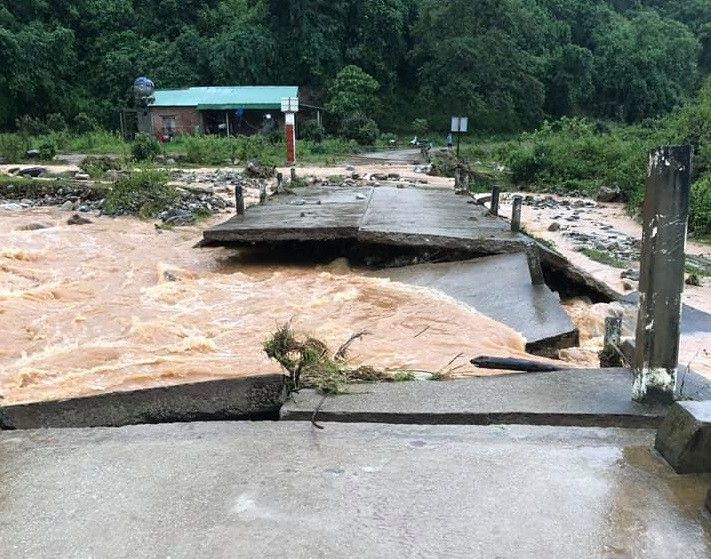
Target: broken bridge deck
[
  {"x": 414, "y": 217},
  {"x": 499, "y": 287}
]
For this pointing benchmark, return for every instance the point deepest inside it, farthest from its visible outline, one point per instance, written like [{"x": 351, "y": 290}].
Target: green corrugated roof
[{"x": 227, "y": 97}]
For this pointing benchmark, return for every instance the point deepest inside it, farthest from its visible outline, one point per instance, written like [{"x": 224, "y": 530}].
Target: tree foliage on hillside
[{"x": 508, "y": 64}]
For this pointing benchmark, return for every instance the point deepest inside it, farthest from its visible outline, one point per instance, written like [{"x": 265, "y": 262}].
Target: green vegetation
[
  {"x": 143, "y": 191},
  {"x": 145, "y": 148},
  {"x": 507, "y": 64},
  {"x": 603, "y": 257},
  {"x": 310, "y": 364},
  {"x": 582, "y": 89}
]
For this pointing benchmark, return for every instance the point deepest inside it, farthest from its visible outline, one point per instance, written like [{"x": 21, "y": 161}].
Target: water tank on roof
[{"x": 143, "y": 88}]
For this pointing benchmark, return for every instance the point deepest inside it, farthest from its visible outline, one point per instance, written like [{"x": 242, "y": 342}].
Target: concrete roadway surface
[{"x": 285, "y": 489}]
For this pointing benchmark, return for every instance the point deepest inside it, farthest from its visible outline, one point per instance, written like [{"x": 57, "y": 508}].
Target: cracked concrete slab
[
  {"x": 577, "y": 397},
  {"x": 499, "y": 287}
]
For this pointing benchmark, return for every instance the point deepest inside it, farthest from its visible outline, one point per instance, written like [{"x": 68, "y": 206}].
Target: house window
[{"x": 169, "y": 126}]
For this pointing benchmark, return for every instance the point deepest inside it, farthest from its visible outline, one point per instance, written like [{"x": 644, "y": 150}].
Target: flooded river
[{"x": 118, "y": 304}]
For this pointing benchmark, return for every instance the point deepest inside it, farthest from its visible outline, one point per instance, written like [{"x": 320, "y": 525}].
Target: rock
[
  {"x": 81, "y": 176},
  {"x": 379, "y": 177},
  {"x": 68, "y": 206},
  {"x": 300, "y": 202},
  {"x": 170, "y": 161},
  {"x": 608, "y": 194},
  {"x": 11, "y": 206},
  {"x": 33, "y": 153},
  {"x": 76, "y": 219},
  {"x": 350, "y": 168},
  {"x": 360, "y": 196},
  {"x": 33, "y": 172},
  {"x": 555, "y": 226},
  {"x": 684, "y": 437},
  {"x": 394, "y": 176},
  {"x": 33, "y": 227},
  {"x": 255, "y": 169},
  {"x": 630, "y": 274},
  {"x": 13, "y": 170},
  {"x": 693, "y": 279},
  {"x": 627, "y": 286}
]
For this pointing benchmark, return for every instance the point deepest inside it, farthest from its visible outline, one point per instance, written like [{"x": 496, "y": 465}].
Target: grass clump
[
  {"x": 144, "y": 192},
  {"x": 97, "y": 166},
  {"x": 603, "y": 257},
  {"x": 311, "y": 364}
]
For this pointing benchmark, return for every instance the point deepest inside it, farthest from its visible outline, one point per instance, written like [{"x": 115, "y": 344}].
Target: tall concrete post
[
  {"x": 516, "y": 214},
  {"x": 664, "y": 221},
  {"x": 494, "y": 210},
  {"x": 239, "y": 199},
  {"x": 290, "y": 130},
  {"x": 290, "y": 106}
]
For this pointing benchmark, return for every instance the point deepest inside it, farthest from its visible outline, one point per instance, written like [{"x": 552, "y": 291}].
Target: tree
[
  {"x": 353, "y": 91},
  {"x": 470, "y": 62},
  {"x": 639, "y": 72}
]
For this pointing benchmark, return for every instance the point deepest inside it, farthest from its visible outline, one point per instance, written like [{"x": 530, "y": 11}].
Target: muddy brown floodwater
[{"x": 119, "y": 305}]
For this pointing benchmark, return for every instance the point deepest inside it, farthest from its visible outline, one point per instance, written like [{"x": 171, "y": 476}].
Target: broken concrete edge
[
  {"x": 211, "y": 237},
  {"x": 493, "y": 245},
  {"x": 684, "y": 437},
  {"x": 253, "y": 397},
  {"x": 559, "y": 263},
  {"x": 464, "y": 418},
  {"x": 549, "y": 347}
]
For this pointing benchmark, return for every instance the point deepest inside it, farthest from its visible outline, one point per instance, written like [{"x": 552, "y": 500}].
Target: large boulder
[{"x": 609, "y": 194}]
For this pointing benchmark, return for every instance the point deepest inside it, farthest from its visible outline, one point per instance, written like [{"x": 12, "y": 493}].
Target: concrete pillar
[
  {"x": 534, "y": 265},
  {"x": 280, "y": 182},
  {"x": 495, "y": 200},
  {"x": 290, "y": 137},
  {"x": 516, "y": 214},
  {"x": 664, "y": 221},
  {"x": 239, "y": 199},
  {"x": 610, "y": 354}
]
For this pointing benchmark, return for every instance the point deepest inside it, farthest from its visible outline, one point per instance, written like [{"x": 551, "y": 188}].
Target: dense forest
[{"x": 508, "y": 64}]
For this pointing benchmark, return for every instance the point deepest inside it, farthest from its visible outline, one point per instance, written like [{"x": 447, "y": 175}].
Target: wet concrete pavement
[{"x": 287, "y": 490}]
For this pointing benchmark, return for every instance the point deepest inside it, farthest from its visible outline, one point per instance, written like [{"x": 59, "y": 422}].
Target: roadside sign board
[
  {"x": 290, "y": 104},
  {"x": 459, "y": 123}
]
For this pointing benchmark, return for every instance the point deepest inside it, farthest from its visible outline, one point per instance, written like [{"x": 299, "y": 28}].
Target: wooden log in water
[{"x": 513, "y": 364}]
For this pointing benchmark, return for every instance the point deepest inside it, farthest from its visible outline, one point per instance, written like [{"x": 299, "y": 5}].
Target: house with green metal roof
[{"x": 223, "y": 110}]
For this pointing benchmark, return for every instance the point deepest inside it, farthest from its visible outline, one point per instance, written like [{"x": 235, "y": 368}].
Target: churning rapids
[{"x": 118, "y": 305}]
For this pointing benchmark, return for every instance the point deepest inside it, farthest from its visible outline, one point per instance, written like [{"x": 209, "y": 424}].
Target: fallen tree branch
[
  {"x": 513, "y": 364},
  {"x": 341, "y": 353}
]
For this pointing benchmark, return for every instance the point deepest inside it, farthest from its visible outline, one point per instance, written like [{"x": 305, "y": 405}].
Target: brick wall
[{"x": 186, "y": 119}]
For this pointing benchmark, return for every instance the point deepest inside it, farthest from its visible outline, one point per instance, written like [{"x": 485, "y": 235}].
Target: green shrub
[
  {"x": 360, "y": 128},
  {"x": 420, "y": 126},
  {"x": 13, "y": 148},
  {"x": 700, "y": 206},
  {"x": 575, "y": 154},
  {"x": 56, "y": 122},
  {"x": 98, "y": 166},
  {"x": 311, "y": 130},
  {"x": 144, "y": 192},
  {"x": 47, "y": 150},
  {"x": 83, "y": 123},
  {"x": 145, "y": 147},
  {"x": 30, "y": 126}
]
